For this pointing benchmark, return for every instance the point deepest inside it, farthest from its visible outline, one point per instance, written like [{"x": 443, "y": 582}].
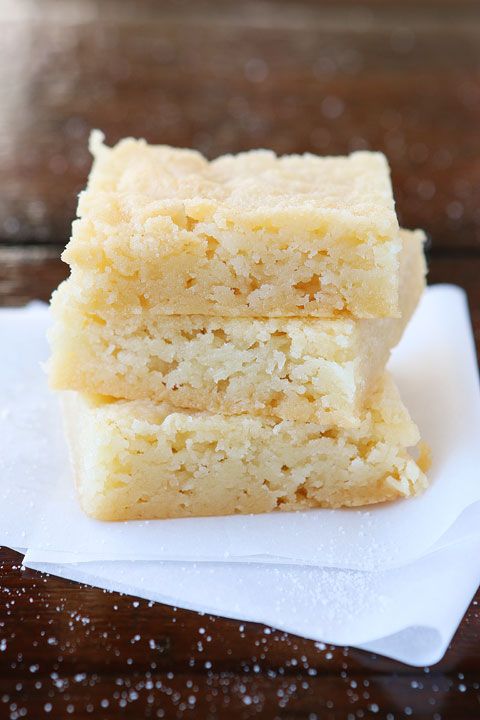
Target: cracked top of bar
[{"x": 251, "y": 234}]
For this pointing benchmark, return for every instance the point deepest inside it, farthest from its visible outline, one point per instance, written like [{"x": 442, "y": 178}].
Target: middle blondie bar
[{"x": 302, "y": 369}]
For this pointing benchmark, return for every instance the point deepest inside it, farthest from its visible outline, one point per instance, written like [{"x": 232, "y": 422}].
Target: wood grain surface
[
  {"x": 77, "y": 651},
  {"x": 225, "y": 76},
  {"x": 329, "y": 77}
]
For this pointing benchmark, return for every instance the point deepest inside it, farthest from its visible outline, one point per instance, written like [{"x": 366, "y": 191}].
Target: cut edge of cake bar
[
  {"x": 252, "y": 235},
  {"x": 141, "y": 460},
  {"x": 291, "y": 368}
]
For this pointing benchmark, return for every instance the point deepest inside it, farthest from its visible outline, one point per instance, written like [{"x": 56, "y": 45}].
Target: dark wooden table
[{"x": 402, "y": 76}]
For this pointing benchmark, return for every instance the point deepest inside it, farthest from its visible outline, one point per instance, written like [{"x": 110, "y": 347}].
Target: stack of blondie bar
[{"x": 224, "y": 332}]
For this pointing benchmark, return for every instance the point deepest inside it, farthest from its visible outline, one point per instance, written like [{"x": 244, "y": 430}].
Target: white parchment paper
[
  {"x": 408, "y": 613},
  {"x": 33, "y": 454},
  {"x": 394, "y": 579},
  {"x": 435, "y": 367}
]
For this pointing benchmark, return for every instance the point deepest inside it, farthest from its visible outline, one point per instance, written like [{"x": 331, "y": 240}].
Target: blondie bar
[
  {"x": 246, "y": 235},
  {"x": 292, "y": 368},
  {"x": 138, "y": 459}
]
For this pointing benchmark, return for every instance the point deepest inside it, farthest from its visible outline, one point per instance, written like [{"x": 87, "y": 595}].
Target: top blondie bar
[{"x": 251, "y": 234}]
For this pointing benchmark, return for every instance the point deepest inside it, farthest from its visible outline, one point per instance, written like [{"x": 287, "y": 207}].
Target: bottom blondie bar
[{"x": 136, "y": 459}]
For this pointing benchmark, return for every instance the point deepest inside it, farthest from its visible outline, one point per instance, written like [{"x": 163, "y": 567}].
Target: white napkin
[
  {"x": 436, "y": 368},
  {"x": 33, "y": 453},
  {"x": 408, "y": 613},
  {"x": 420, "y": 550}
]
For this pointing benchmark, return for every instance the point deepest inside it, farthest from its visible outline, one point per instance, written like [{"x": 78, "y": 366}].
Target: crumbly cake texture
[
  {"x": 300, "y": 369},
  {"x": 244, "y": 235},
  {"x": 137, "y": 459}
]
